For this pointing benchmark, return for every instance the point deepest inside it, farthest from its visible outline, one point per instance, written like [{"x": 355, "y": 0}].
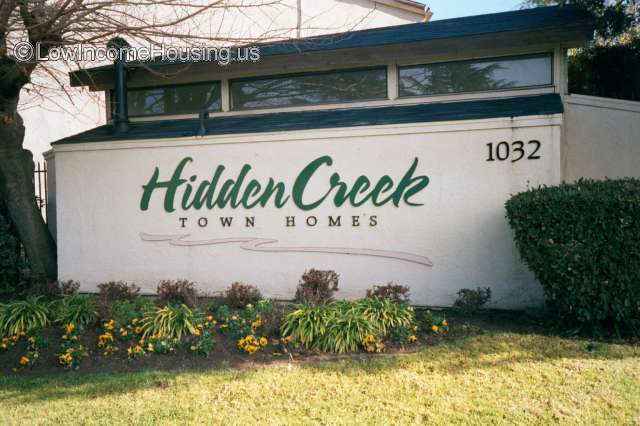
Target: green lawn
[{"x": 499, "y": 377}]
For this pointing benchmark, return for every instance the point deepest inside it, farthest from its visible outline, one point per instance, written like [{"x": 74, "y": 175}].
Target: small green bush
[
  {"x": 112, "y": 292},
  {"x": 25, "y": 316},
  {"x": 78, "y": 309},
  {"x": 582, "y": 242},
  {"x": 124, "y": 312},
  {"x": 471, "y": 302},
  {"x": 238, "y": 295},
  {"x": 13, "y": 280},
  {"x": 178, "y": 292},
  {"x": 172, "y": 321},
  {"x": 394, "y": 292},
  {"x": 317, "y": 287}
]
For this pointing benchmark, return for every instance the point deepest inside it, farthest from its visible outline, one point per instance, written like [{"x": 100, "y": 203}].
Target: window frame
[
  {"x": 162, "y": 86},
  {"x": 549, "y": 54},
  {"x": 384, "y": 68}
]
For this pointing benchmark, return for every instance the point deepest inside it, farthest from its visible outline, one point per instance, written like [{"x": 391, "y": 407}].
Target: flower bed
[{"x": 69, "y": 332}]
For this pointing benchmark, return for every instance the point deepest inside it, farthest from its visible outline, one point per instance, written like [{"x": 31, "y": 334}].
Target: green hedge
[{"x": 582, "y": 241}]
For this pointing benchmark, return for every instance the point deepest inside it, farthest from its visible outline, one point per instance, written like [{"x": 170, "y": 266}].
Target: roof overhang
[
  {"x": 551, "y": 26},
  {"x": 523, "y": 106}
]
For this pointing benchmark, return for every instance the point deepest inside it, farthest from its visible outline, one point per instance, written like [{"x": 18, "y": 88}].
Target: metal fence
[{"x": 40, "y": 183}]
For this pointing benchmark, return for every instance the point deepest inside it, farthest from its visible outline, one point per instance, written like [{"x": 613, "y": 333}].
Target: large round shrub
[{"x": 582, "y": 241}]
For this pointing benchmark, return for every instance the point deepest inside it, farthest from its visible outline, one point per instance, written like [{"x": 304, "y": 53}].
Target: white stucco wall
[
  {"x": 601, "y": 138},
  {"x": 461, "y": 226}
]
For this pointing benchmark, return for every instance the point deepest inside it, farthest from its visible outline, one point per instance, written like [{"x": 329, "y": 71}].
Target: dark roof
[
  {"x": 564, "y": 18},
  {"x": 305, "y": 120},
  {"x": 528, "y": 19}
]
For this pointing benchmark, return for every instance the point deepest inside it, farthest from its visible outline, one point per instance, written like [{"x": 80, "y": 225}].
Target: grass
[{"x": 499, "y": 377}]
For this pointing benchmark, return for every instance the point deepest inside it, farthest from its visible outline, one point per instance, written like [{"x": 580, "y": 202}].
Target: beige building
[{"x": 385, "y": 154}]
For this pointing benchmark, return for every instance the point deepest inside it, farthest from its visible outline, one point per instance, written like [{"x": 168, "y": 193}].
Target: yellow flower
[
  {"x": 196, "y": 332},
  {"x": 138, "y": 330},
  {"x": 256, "y": 324},
  {"x": 134, "y": 321},
  {"x": 413, "y": 339},
  {"x": 435, "y": 328},
  {"x": 32, "y": 339},
  {"x": 109, "y": 325},
  {"x": 263, "y": 341},
  {"x": 69, "y": 327},
  {"x": 210, "y": 318},
  {"x": 150, "y": 347},
  {"x": 64, "y": 337},
  {"x": 74, "y": 338},
  {"x": 24, "y": 360},
  {"x": 193, "y": 347},
  {"x": 445, "y": 323},
  {"x": 3, "y": 345}
]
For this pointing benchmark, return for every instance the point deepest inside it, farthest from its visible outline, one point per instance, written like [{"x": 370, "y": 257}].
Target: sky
[{"x": 444, "y": 9}]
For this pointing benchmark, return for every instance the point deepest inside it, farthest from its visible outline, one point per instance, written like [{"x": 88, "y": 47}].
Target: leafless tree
[{"x": 57, "y": 23}]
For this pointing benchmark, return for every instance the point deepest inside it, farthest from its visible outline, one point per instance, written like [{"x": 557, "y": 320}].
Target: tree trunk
[{"x": 18, "y": 191}]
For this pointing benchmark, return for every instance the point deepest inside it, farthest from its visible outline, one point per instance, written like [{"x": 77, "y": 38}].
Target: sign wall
[{"x": 420, "y": 205}]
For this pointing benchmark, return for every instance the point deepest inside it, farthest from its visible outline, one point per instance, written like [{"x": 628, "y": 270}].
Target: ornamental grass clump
[
  {"x": 348, "y": 326},
  {"x": 581, "y": 242},
  {"x": 76, "y": 309},
  {"x": 173, "y": 321},
  {"x": 25, "y": 316}
]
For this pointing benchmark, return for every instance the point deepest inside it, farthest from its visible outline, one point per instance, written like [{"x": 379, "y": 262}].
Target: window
[
  {"x": 309, "y": 89},
  {"x": 476, "y": 75},
  {"x": 174, "y": 99}
]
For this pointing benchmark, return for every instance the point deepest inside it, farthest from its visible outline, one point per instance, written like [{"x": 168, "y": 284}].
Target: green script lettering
[{"x": 249, "y": 193}]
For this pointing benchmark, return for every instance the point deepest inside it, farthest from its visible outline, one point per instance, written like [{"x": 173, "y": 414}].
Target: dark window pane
[
  {"x": 475, "y": 76},
  {"x": 183, "y": 99},
  {"x": 310, "y": 89}
]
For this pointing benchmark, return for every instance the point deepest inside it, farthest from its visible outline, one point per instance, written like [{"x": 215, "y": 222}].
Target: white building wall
[
  {"x": 458, "y": 238},
  {"x": 601, "y": 138}
]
